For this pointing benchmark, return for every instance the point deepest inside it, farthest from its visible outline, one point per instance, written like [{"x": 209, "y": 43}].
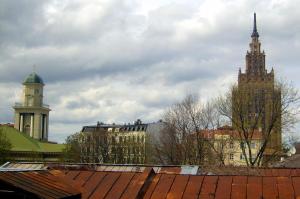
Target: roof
[
  {"x": 148, "y": 184},
  {"x": 289, "y": 162},
  {"x": 110, "y": 182},
  {"x": 33, "y": 78},
  {"x": 137, "y": 126},
  {"x": 209, "y": 134},
  {"x": 24, "y": 143},
  {"x": 185, "y": 186},
  {"x": 41, "y": 184},
  {"x": 23, "y": 166}
]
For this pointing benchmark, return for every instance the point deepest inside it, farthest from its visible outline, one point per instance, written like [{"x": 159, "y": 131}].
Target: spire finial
[{"x": 254, "y": 33}]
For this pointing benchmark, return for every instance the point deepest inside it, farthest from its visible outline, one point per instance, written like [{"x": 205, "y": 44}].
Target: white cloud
[{"x": 116, "y": 60}]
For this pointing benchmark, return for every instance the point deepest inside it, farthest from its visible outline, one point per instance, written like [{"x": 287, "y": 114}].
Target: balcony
[{"x": 21, "y": 105}]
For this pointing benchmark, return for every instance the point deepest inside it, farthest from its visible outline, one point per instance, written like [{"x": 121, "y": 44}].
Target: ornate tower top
[
  {"x": 255, "y": 59},
  {"x": 254, "y": 33}
]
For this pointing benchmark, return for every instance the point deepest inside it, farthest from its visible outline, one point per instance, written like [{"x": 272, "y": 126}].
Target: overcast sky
[{"x": 119, "y": 60}]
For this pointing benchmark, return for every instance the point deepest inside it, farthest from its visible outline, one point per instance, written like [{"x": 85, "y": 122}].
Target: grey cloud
[{"x": 110, "y": 61}]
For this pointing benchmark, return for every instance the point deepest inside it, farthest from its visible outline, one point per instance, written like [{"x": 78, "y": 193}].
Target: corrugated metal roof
[
  {"x": 186, "y": 186},
  {"x": 273, "y": 183},
  {"x": 116, "y": 181},
  {"x": 106, "y": 184},
  {"x": 40, "y": 184}
]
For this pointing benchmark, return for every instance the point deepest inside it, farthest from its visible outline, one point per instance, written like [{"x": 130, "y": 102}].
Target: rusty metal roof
[
  {"x": 115, "y": 181},
  {"x": 106, "y": 184},
  {"x": 39, "y": 184},
  {"x": 239, "y": 187}
]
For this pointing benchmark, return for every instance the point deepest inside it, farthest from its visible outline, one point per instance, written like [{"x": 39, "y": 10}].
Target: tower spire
[{"x": 254, "y": 33}]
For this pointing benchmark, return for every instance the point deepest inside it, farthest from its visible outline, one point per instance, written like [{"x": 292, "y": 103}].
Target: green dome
[{"x": 33, "y": 78}]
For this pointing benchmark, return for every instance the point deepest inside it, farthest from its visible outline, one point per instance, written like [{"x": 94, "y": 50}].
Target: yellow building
[
  {"x": 114, "y": 143},
  {"x": 32, "y": 115},
  {"x": 226, "y": 144}
]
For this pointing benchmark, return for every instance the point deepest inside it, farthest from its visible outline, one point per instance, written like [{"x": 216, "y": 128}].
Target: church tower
[
  {"x": 256, "y": 99},
  {"x": 31, "y": 115}
]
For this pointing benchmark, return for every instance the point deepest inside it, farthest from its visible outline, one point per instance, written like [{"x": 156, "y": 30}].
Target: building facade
[
  {"x": 256, "y": 101},
  {"x": 32, "y": 115},
  {"x": 115, "y": 143},
  {"x": 226, "y": 146}
]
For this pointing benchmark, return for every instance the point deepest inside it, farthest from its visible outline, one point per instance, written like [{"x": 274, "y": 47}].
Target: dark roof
[
  {"x": 290, "y": 162},
  {"x": 122, "y": 127},
  {"x": 39, "y": 184},
  {"x": 33, "y": 78}
]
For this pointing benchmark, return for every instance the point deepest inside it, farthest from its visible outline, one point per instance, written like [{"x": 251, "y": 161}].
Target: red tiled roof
[{"x": 209, "y": 134}]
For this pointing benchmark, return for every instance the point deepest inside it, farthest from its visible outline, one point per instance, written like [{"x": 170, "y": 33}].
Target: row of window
[
  {"x": 129, "y": 128},
  {"x": 242, "y": 144},
  {"x": 137, "y": 139},
  {"x": 242, "y": 157}
]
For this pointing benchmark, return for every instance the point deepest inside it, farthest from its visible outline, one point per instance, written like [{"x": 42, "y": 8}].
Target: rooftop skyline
[{"x": 116, "y": 61}]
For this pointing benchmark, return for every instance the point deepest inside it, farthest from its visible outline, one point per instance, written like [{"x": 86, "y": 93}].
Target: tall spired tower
[
  {"x": 31, "y": 115},
  {"x": 256, "y": 100}
]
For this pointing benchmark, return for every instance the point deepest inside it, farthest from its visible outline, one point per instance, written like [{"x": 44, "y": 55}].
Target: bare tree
[
  {"x": 88, "y": 147},
  {"x": 182, "y": 141},
  {"x": 267, "y": 111}
]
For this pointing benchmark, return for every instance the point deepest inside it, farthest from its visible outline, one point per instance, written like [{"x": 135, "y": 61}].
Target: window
[
  {"x": 241, "y": 156},
  {"x": 252, "y": 145},
  {"x": 242, "y": 145},
  {"x": 231, "y": 156},
  {"x": 142, "y": 139},
  {"x": 231, "y": 145}
]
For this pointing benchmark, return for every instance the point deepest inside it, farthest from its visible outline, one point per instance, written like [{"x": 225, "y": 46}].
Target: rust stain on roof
[
  {"x": 40, "y": 184},
  {"x": 113, "y": 182}
]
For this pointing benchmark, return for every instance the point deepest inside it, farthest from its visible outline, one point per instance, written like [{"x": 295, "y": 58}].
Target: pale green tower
[{"x": 31, "y": 115}]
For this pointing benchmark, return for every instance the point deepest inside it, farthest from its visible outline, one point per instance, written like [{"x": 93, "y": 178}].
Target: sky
[{"x": 120, "y": 60}]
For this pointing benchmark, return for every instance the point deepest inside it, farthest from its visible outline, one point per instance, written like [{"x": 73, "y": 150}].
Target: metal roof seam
[
  {"x": 46, "y": 180},
  {"x": 25, "y": 183},
  {"x": 92, "y": 192},
  {"x": 112, "y": 186},
  {"x": 185, "y": 186},
  {"x": 150, "y": 174},
  {"x": 126, "y": 186},
  {"x": 216, "y": 185},
  {"x": 74, "y": 178},
  {"x": 88, "y": 179},
  {"x": 43, "y": 181},
  {"x": 171, "y": 185},
  {"x": 201, "y": 186},
  {"x": 156, "y": 185}
]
